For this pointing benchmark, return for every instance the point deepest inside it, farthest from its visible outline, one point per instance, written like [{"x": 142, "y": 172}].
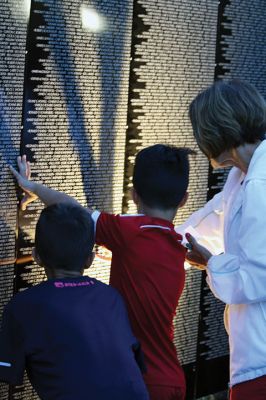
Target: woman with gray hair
[{"x": 229, "y": 125}]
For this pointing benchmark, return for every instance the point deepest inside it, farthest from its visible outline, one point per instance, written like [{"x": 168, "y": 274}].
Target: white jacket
[{"x": 236, "y": 218}]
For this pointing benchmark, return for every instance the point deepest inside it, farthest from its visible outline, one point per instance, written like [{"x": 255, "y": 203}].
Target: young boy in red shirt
[{"x": 147, "y": 257}]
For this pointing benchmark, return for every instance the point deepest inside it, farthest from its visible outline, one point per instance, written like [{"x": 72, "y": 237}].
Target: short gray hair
[{"x": 226, "y": 115}]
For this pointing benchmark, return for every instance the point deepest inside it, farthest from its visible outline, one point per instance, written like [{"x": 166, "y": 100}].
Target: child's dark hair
[
  {"x": 161, "y": 175},
  {"x": 64, "y": 237}
]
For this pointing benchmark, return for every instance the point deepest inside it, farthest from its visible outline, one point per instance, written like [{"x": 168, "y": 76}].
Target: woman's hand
[{"x": 198, "y": 256}]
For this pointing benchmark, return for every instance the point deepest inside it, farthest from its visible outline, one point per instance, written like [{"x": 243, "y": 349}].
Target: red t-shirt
[{"x": 148, "y": 270}]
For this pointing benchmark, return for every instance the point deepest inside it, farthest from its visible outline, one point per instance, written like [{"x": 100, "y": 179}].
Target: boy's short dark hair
[
  {"x": 64, "y": 237},
  {"x": 161, "y": 174}
]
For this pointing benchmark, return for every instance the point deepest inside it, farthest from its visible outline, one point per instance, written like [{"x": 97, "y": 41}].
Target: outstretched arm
[
  {"x": 35, "y": 190},
  {"x": 238, "y": 276}
]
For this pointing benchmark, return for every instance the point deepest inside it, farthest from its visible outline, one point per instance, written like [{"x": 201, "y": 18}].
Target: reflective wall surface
[{"x": 87, "y": 84}]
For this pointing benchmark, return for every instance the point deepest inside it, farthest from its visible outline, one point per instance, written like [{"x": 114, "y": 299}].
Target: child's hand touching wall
[{"x": 23, "y": 179}]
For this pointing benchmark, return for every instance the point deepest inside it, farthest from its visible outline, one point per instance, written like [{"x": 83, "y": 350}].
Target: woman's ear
[{"x": 183, "y": 201}]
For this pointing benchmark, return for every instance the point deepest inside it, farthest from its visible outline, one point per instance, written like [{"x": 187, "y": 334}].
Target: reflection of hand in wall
[
  {"x": 198, "y": 256},
  {"x": 23, "y": 178}
]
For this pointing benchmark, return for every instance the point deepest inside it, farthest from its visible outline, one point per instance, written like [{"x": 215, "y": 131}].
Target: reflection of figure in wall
[
  {"x": 147, "y": 257},
  {"x": 54, "y": 330},
  {"x": 229, "y": 124}
]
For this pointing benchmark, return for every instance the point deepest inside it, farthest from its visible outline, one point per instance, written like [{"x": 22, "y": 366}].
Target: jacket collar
[
  {"x": 256, "y": 169},
  {"x": 257, "y": 166}
]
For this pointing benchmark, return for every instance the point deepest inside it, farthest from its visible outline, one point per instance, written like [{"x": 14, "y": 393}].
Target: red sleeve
[
  {"x": 108, "y": 231},
  {"x": 12, "y": 357}
]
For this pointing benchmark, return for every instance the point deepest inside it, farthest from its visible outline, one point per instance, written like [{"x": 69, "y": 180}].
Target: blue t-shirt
[{"x": 73, "y": 337}]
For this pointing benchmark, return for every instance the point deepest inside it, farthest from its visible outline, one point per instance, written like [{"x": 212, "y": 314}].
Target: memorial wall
[
  {"x": 13, "y": 33},
  {"x": 84, "y": 86}
]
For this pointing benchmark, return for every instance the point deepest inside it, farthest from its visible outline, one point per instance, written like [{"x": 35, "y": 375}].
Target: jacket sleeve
[
  {"x": 240, "y": 278},
  {"x": 206, "y": 224}
]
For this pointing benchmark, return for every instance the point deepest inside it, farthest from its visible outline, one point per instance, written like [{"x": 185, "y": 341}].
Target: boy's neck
[
  {"x": 168, "y": 215},
  {"x": 61, "y": 273}
]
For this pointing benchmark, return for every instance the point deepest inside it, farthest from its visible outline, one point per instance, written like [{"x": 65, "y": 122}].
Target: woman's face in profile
[
  {"x": 224, "y": 160},
  {"x": 236, "y": 157}
]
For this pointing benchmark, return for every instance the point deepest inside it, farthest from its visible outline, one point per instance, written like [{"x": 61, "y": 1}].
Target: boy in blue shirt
[{"x": 71, "y": 333}]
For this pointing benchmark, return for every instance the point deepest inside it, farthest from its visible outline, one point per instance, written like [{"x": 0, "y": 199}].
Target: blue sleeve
[{"x": 12, "y": 358}]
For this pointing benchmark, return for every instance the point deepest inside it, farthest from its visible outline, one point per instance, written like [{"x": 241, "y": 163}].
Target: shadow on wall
[
  {"x": 111, "y": 46},
  {"x": 8, "y": 150},
  {"x": 8, "y": 153},
  {"x": 65, "y": 67}
]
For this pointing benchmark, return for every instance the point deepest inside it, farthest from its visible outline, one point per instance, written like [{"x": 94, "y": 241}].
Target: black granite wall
[{"x": 85, "y": 85}]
